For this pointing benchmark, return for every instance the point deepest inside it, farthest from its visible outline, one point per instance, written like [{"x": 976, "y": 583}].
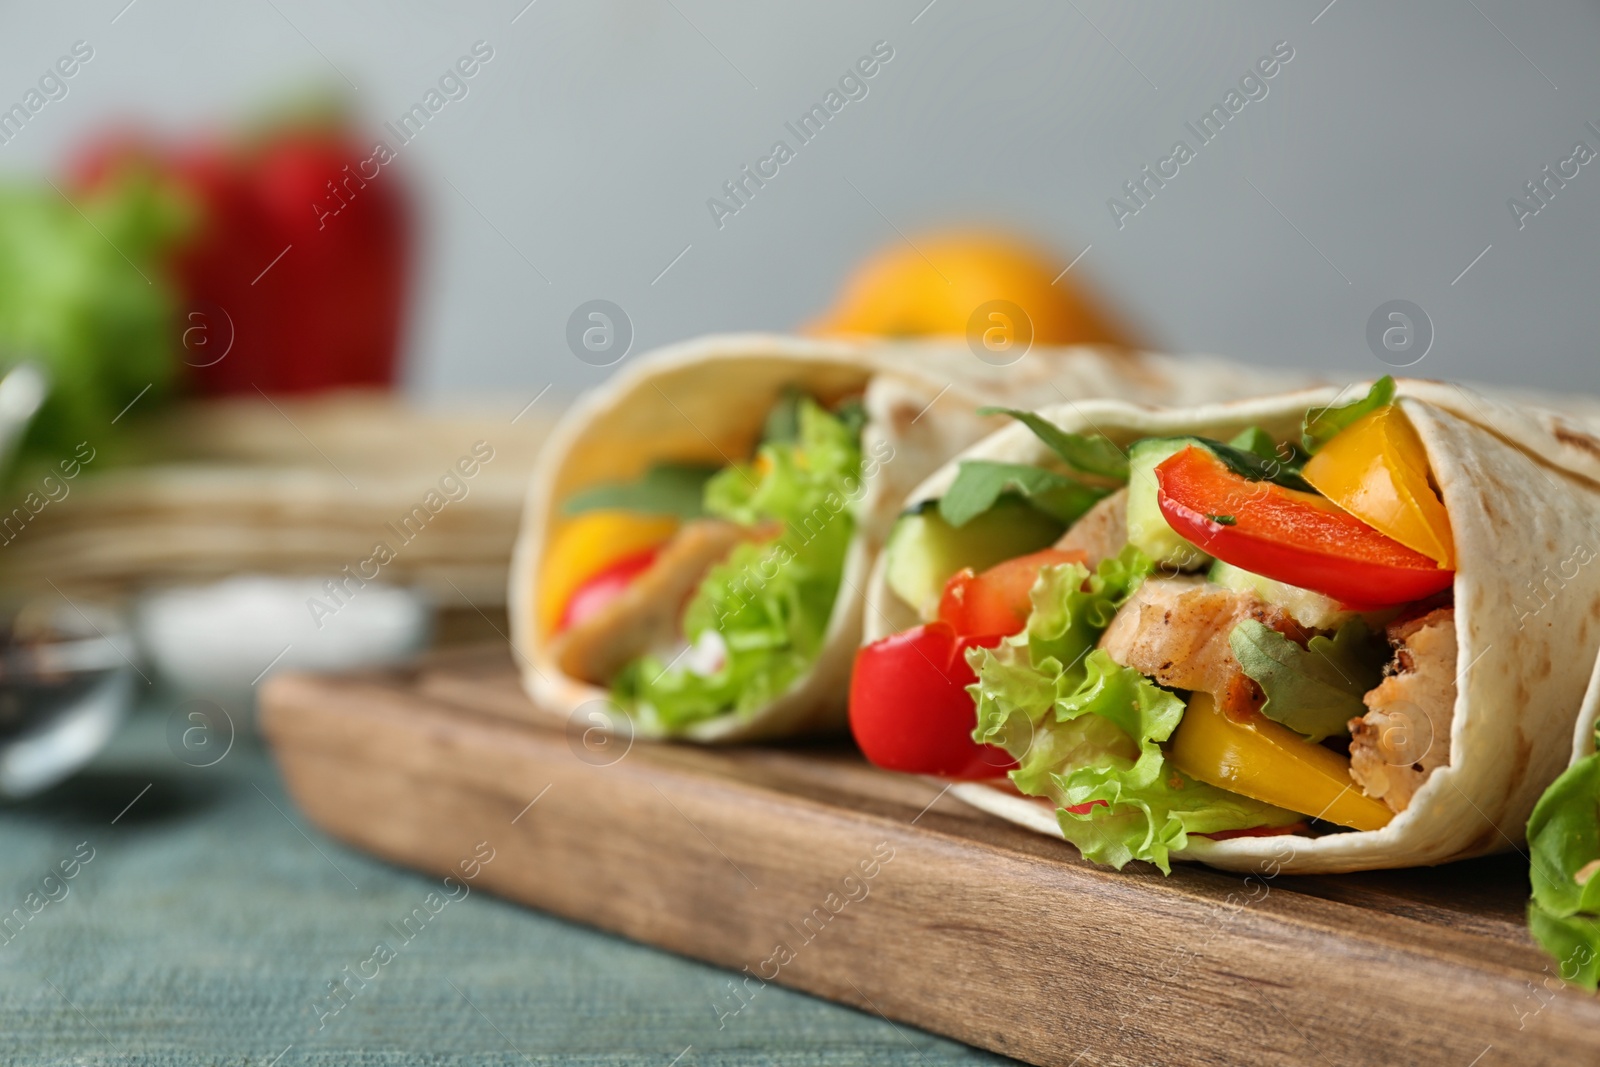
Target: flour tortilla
[
  {"x": 706, "y": 400},
  {"x": 1523, "y": 489}
]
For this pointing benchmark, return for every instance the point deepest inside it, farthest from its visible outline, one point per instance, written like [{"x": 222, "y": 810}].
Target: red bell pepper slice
[
  {"x": 996, "y": 601},
  {"x": 1259, "y": 831},
  {"x": 910, "y": 710},
  {"x": 605, "y": 586},
  {"x": 1290, "y": 536}
]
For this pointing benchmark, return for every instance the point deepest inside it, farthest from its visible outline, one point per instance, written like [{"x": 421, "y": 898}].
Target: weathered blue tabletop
[{"x": 203, "y": 923}]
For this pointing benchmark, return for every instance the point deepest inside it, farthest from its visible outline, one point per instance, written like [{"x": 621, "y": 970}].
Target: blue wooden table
[{"x": 203, "y": 922}]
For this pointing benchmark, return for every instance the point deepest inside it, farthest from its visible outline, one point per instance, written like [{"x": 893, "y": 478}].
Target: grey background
[{"x": 1381, "y": 160}]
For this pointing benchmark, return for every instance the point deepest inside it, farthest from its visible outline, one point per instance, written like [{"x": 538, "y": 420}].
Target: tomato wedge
[
  {"x": 910, "y": 710},
  {"x": 996, "y": 601},
  {"x": 601, "y": 589},
  {"x": 1290, "y": 536}
]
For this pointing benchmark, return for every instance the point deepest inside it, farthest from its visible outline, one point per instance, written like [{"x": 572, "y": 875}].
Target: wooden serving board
[{"x": 885, "y": 894}]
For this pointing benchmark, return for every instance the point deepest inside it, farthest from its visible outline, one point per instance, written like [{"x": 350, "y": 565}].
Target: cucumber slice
[
  {"x": 1147, "y": 528},
  {"x": 1310, "y": 609},
  {"x": 923, "y": 550}
]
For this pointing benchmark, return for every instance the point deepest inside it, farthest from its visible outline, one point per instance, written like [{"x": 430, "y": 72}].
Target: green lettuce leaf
[
  {"x": 1028, "y": 672},
  {"x": 769, "y": 601},
  {"x": 1323, "y": 424},
  {"x": 1149, "y": 806},
  {"x": 980, "y": 483},
  {"x": 1021, "y": 680},
  {"x": 1573, "y": 940},
  {"x": 1564, "y": 845},
  {"x": 676, "y": 489},
  {"x": 1091, "y": 454},
  {"x": 1087, "y": 732},
  {"x": 1315, "y": 690}
]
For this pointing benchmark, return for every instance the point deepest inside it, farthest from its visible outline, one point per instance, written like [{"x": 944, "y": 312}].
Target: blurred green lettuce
[
  {"x": 85, "y": 296},
  {"x": 768, "y": 604},
  {"x": 1564, "y": 845}
]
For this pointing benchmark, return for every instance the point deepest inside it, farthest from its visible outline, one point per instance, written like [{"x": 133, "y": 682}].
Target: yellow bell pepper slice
[
  {"x": 587, "y": 544},
  {"x": 1267, "y": 761},
  {"x": 1377, "y": 470}
]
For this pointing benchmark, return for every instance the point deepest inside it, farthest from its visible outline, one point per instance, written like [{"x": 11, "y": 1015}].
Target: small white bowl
[{"x": 224, "y": 638}]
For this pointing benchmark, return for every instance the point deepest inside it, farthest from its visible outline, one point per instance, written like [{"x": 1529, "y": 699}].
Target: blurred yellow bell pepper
[
  {"x": 587, "y": 544},
  {"x": 933, "y": 288},
  {"x": 1377, "y": 470},
  {"x": 1267, "y": 761}
]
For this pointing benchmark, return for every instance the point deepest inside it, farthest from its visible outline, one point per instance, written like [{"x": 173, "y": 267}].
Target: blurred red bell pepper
[{"x": 299, "y": 257}]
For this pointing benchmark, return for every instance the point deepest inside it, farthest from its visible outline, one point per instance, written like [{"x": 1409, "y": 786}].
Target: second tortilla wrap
[
  {"x": 707, "y": 399},
  {"x": 1522, "y": 487}
]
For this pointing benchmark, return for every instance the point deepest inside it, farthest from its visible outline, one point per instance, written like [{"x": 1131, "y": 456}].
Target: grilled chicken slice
[
  {"x": 646, "y": 615},
  {"x": 1102, "y": 531},
  {"x": 1175, "y": 630},
  {"x": 1406, "y": 732}
]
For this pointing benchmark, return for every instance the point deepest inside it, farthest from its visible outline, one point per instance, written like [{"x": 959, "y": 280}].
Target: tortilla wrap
[
  {"x": 1522, "y": 486},
  {"x": 706, "y": 400}
]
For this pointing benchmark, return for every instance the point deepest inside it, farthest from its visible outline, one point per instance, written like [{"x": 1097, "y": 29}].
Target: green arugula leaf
[
  {"x": 783, "y": 420},
  {"x": 1314, "y": 690},
  {"x": 782, "y": 425},
  {"x": 1323, "y": 424},
  {"x": 1091, "y": 454},
  {"x": 980, "y": 483},
  {"x": 853, "y": 415},
  {"x": 1564, "y": 845},
  {"x": 1251, "y": 464},
  {"x": 1257, "y": 441},
  {"x": 665, "y": 489}
]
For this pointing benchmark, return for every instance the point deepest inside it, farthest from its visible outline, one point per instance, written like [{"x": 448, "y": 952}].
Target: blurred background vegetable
[
  {"x": 163, "y": 266},
  {"x": 83, "y": 294},
  {"x": 296, "y": 266},
  {"x": 933, "y": 284}
]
